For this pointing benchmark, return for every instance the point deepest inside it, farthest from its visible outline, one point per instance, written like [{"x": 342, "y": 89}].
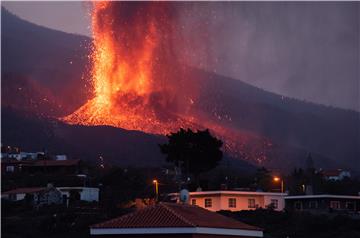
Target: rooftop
[
  {"x": 174, "y": 215},
  {"x": 226, "y": 192},
  {"x": 24, "y": 190},
  {"x": 323, "y": 196},
  {"x": 334, "y": 172}
]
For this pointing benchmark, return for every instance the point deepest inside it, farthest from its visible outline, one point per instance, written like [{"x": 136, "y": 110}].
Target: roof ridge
[
  {"x": 177, "y": 215},
  {"x": 129, "y": 215}
]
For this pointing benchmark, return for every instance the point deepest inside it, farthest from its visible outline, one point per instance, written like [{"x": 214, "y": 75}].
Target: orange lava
[
  {"x": 136, "y": 78},
  {"x": 129, "y": 77}
]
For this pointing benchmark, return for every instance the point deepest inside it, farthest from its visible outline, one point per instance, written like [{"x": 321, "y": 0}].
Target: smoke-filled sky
[{"x": 306, "y": 50}]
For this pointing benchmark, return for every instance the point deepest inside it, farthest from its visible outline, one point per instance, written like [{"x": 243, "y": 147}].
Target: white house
[
  {"x": 36, "y": 196},
  {"x": 88, "y": 194},
  {"x": 20, "y": 193},
  {"x": 85, "y": 193},
  {"x": 236, "y": 200},
  {"x": 22, "y": 155}
]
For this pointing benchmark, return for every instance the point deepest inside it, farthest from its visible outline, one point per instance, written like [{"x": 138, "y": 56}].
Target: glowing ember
[{"x": 136, "y": 79}]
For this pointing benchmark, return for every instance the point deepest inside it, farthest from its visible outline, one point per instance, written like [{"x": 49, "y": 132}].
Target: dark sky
[{"x": 306, "y": 50}]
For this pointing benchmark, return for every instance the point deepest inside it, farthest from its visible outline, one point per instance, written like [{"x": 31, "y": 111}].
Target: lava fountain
[
  {"x": 137, "y": 82},
  {"x": 132, "y": 62}
]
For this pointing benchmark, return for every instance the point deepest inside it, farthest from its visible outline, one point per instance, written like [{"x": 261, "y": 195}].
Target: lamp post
[
  {"x": 277, "y": 179},
  {"x": 156, "y": 183}
]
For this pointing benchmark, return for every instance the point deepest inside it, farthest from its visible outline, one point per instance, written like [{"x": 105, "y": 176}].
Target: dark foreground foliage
[
  {"x": 299, "y": 225},
  {"x": 56, "y": 222},
  {"x": 52, "y": 221}
]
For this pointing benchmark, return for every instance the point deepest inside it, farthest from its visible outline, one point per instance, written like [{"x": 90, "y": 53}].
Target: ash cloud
[{"x": 305, "y": 50}]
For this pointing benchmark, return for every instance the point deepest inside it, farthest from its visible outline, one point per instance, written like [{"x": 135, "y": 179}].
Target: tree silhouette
[{"x": 193, "y": 152}]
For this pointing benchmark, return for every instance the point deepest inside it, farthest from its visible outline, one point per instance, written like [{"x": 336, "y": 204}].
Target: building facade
[
  {"x": 323, "y": 203},
  {"x": 88, "y": 194},
  {"x": 35, "y": 196},
  {"x": 51, "y": 195},
  {"x": 236, "y": 200}
]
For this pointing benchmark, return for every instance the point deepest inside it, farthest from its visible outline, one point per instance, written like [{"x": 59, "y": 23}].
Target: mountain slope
[
  {"x": 38, "y": 59},
  {"x": 54, "y": 59},
  {"x": 329, "y": 131},
  {"x": 115, "y": 145}
]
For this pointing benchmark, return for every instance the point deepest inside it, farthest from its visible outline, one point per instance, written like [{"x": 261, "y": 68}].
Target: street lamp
[
  {"x": 277, "y": 179},
  {"x": 156, "y": 183}
]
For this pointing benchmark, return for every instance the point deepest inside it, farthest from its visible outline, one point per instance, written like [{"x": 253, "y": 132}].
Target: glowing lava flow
[
  {"x": 130, "y": 70},
  {"x": 136, "y": 79}
]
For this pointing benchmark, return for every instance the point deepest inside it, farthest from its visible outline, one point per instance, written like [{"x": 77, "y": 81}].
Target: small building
[
  {"x": 236, "y": 200},
  {"x": 35, "y": 196},
  {"x": 323, "y": 203},
  {"x": 62, "y": 194},
  {"x": 11, "y": 165},
  {"x": 336, "y": 174},
  {"x": 20, "y": 193},
  {"x": 22, "y": 155},
  {"x": 174, "y": 220},
  {"x": 81, "y": 193}
]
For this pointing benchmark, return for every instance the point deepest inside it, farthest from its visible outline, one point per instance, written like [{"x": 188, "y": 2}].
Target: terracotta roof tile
[{"x": 174, "y": 215}]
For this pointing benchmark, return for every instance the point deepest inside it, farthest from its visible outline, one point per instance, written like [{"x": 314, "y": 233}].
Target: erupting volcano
[
  {"x": 137, "y": 80},
  {"x": 134, "y": 70}
]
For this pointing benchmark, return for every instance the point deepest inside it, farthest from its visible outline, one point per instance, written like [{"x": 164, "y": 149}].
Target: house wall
[
  {"x": 47, "y": 197},
  {"x": 13, "y": 197},
  {"x": 20, "y": 196},
  {"x": 86, "y": 194},
  {"x": 221, "y": 201},
  {"x": 200, "y": 201},
  {"x": 280, "y": 199},
  {"x": 90, "y": 194},
  {"x": 322, "y": 204}
]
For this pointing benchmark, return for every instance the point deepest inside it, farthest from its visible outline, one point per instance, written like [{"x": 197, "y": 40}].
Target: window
[
  {"x": 350, "y": 206},
  {"x": 298, "y": 205},
  {"x": 208, "y": 202},
  {"x": 10, "y": 168},
  {"x": 251, "y": 203},
  {"x": 335, "y": 204},
  {"x": 193, "y": 201},
  {"x": 313, "y": 204},
  {"x": 275, "y": 203},
  {"x": 232, "y": 202}
]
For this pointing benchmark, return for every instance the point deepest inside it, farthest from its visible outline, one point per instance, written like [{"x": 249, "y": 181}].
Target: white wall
[
  {"x": 281, "y": 201},
  {"x": 90, "y": 194},
  {"x": 221, "y": 201},
  {"x": 20, "y": 196},
  {"x": 86, "y": 193}
]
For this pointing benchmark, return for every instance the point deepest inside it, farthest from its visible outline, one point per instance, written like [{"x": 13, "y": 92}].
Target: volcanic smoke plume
[{"x": 137, "y": 82}]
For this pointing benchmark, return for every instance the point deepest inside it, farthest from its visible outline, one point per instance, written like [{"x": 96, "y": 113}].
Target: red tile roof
[
  {"x": 24, "y": 190},
  {"x": 174, "y": 215}
]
